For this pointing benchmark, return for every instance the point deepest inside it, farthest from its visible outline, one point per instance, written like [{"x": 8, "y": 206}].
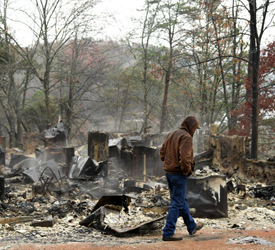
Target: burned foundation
[
  {"x": 98, "y": 146},
  {"x": 230, "y": 155},
  {"x": 141, "y": 162}
]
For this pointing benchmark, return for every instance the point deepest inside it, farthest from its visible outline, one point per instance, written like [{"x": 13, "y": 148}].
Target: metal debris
[
  {"x": 121, "y": 216},
  {"x": 122, "y": 222},
  {"x": 208, "y": 196},
  {"x": 83, "y": 168}
]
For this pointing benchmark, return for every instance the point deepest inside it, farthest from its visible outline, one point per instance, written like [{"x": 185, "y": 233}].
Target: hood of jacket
[{"x": 190, "y": 124}]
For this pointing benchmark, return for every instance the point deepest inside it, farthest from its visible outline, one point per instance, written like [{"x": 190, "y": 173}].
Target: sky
[
  {"x": 120, "y": 23},
  {"x": 122, "y": 10}
]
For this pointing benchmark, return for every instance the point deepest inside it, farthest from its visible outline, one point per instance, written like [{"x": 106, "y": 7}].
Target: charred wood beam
[
  {"x": 203, "y": 159},
  {"x": 11, "y": 195},
  {"x": 2, "y": 188},
  {"x": 44, "y": 223},
  {"x": 204, "y": 155},
  {"x": 13, "y": 220},
  {"x": 262, "y": 188}
]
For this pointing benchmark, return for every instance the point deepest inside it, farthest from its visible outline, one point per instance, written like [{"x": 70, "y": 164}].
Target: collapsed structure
[{"x": 124, "y": 175}]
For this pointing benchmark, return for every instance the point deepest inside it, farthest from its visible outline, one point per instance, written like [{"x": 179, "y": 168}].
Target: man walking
[{"x": 177, "y": 154}]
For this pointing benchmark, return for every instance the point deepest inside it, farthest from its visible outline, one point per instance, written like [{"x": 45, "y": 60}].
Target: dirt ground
[{"x": 204, "y": 239}]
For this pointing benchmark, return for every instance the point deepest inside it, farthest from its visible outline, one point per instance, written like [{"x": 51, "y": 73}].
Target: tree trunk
[
  {"x": 236, "y": 69},
  {"x": 19, "y": 132},
  {"x": 165, "y": 97},
  {"x": 255, "y": 51},
  {"x": 145, "y": 109},
  {"x": 124, "y": 105}
]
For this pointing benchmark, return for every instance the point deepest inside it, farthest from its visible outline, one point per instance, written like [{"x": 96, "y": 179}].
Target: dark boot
[
  {"x": 198, "y": 227},
  {"x": 175, "y": 237}
]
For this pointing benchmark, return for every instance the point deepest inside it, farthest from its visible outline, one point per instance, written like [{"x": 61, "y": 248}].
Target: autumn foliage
[{"x": 266, "y": 93}]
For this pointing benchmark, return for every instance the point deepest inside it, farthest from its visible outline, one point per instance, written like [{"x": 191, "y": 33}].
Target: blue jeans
[{"x": 179, "y": 207}]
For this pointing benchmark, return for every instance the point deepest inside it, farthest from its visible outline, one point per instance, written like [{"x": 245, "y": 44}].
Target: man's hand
[
  {"x": 192, "y": 169},
  {"x": 193, "y": 165}
]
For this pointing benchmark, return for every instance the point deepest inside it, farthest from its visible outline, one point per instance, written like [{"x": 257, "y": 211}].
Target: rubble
[
  {"x": 74, "y": 206},
  {"x": 84, "y": 167},
  {"x": 252, "y": 239},
  {"x": 230, "y": 154},
  {"x": 44, "y": 200},
  {"x": 16, "y": 219},
  {"x": 120, "y": 215},
  {"x": 47, "y": 222}
]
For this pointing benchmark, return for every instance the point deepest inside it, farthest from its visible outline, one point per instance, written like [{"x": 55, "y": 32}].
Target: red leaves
[
  {"x": 266, "y": 94},
  {"x": 155, "y": 71},
  {"x": 267, "y": 63}
]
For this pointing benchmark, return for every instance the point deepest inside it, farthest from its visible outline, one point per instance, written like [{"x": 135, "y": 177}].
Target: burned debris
[
  {"x": 208, "y": 195},
  {"x": 85, "y": 168},
  {"x": 117, "y": 186},
  {"x": 2, "y": 188},
  {"x": 118, "y": 214},
  {"x": 2, "y": 157},
  {"x": 267, "y": 192}
]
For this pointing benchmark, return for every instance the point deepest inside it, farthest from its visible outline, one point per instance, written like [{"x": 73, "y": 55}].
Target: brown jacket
[{"x": 177, "y": 149}]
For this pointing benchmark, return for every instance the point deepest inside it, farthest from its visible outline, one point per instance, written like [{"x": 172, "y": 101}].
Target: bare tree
[
  {"x": 52, "y": 23},
  {"x": 171, "y": 16},
  {"x": 144, "y": 55},
  {"x": 83, "y": 66},
  {"x": 15, "y": 77}
]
